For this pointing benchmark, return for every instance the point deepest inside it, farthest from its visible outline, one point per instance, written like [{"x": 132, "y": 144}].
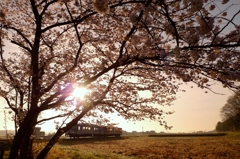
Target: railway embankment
[{"x": 188, "y": 135}]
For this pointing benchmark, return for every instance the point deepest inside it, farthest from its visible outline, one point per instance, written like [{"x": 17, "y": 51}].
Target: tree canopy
[
  {"x": 230, "y": 113},
  {"x": 222, "y": 127},
  {"x": 114, "y": 48}
]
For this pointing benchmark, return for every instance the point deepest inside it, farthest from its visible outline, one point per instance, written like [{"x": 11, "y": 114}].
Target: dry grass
[
  {"x": 150, "y": 148},
  {"x": 227, "y": 147}
]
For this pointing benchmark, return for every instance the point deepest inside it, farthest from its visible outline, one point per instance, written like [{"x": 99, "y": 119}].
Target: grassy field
[{"x": 221, "y": 147}]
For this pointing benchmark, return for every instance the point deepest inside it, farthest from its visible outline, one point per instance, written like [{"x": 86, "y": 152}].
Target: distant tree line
[{"x": 230, "y": 114}]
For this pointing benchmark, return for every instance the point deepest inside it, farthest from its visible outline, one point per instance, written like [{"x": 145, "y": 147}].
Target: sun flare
[{"x": 80, "y": 93}]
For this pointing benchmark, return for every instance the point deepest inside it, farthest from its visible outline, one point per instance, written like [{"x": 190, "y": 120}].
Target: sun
[{"x": 80, "y": 93}]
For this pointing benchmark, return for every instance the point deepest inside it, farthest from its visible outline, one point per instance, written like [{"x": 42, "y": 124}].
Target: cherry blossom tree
[
  {"x": 230, "y": 112},
  {"x": 116, "y": 49}
]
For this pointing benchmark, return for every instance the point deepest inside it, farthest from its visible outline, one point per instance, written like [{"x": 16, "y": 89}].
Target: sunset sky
[{"x": 194, "y": 109}]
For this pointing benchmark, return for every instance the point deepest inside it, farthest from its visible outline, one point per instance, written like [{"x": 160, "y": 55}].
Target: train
[{"x": 91, "y": 130}]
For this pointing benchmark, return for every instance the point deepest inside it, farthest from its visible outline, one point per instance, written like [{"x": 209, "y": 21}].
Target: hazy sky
[{"x": 194, "y": 109}]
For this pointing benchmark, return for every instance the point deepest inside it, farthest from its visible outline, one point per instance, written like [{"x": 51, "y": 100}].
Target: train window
[
  {"x": 79, "y": 127},
  {"x": 86, "y": 128}
]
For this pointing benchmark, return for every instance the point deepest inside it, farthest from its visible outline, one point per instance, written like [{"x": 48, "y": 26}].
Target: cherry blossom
[{"x": 132, "y": 56}]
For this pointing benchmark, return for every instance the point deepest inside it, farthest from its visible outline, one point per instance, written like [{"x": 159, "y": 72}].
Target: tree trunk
[
  {"x": 22, "y": 140},
  {"x": 1, "y": 154},
  {"x": 60, "y": 132},
  {"x": 50, "y": 144},
  {"x": 26, "y": 147},
  {"x": 17, "y": 141}
]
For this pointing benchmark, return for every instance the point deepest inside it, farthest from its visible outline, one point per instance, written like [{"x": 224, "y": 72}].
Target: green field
[{"x": 143, "y": 147}]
